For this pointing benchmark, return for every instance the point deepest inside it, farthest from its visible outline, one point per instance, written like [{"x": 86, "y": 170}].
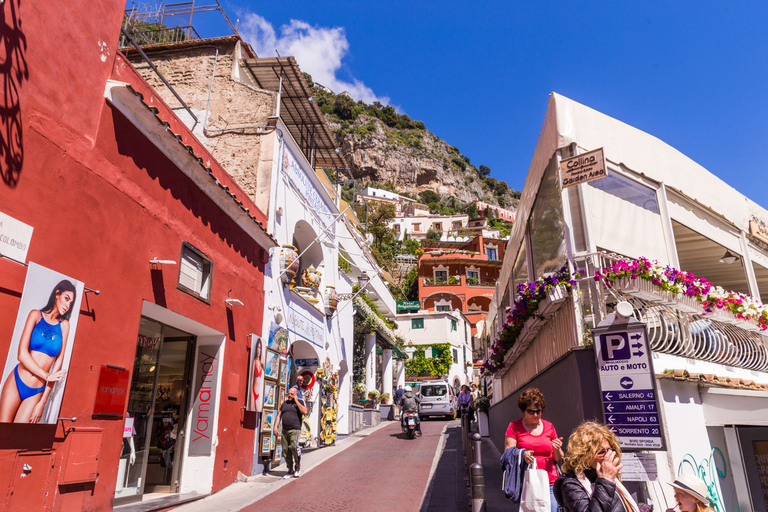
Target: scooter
[{"x": 410, "y": 424}]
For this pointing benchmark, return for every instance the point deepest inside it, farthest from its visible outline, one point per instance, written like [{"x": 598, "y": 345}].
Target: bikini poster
[
  {"x": 35, "y": 371},
  {"x": 256, "y": 373}
]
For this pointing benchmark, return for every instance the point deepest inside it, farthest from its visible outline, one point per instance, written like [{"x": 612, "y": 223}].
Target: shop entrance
[{"x": 152, "y": 453}]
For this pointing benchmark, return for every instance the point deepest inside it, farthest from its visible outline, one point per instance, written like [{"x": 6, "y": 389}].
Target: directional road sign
[{"x": 627, "y": 384}]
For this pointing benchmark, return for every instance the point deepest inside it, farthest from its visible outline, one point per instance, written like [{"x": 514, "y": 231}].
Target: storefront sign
[
  {"x": 758, "y": 229},
  {"x": 15, "y": 238},
  {"x": 204, "y": 406},
  {"x": 582, "y": 168},
  {"x": 112, "y": 391},
  {"x": 409, "y": 305},
  {"x": 627, "y": 384},
  {"x": 303, "y": 185},
  {"x": 308, "y": 362},
  {"x": 304, "y": 327},
  {"x": 639, "y": 467}
]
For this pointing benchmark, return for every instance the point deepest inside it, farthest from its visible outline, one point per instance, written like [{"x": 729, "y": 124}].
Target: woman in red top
[{"x": 537, "y": 436}]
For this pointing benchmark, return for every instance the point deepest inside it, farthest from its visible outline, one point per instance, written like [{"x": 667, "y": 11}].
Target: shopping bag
[{"x": 535, "y": 494}]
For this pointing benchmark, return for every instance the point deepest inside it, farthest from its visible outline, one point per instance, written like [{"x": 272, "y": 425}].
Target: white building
[
  {"x": 432, "y": 327},
  {"x": 711, "y": 375},
  {"x": 417, "y": 226}
]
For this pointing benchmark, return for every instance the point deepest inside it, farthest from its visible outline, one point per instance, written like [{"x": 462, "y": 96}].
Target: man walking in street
[
  {"x": 291, "y": 413},
  {"x": 298, "y": 387},
  {"x": 398, "y": 397}
]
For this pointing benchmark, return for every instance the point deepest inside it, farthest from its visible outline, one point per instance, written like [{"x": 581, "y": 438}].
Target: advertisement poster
[
  {"x": 38, "y": 359},
  {"x": 256, "y": 374},
  {"x": 278, "y": 339}
]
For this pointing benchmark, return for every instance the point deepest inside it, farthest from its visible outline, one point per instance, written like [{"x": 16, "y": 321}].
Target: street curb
[{"x": 238, "y": 495}]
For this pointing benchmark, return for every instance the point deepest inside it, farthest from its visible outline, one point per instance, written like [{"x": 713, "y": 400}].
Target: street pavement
[{"x": 377, "y": 469}]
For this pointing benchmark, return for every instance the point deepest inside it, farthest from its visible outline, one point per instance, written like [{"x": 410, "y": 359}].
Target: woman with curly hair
[
  {"x": 537, "y": 437},
  {"x": 590, "y": 479}
]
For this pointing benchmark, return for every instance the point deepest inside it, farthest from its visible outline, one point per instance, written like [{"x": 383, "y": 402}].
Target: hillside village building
[
  {"x": 487, "y": 210},
  {"x": 711, "y": 368}
]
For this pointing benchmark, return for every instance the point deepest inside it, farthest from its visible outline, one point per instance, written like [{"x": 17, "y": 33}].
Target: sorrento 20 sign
[{"x": 582, "y": 168}]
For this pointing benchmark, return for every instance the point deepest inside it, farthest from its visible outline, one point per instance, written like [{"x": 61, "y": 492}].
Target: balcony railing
[
  {"x": 482, "y": 282},
  {"x": 442, "y": 281},
  {"x": 149, "y": 35}
]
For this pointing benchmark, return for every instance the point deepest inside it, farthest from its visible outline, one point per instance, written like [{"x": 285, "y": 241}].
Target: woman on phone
[
  {"x": 590, "y": 479},
  {"x": 258, "y": 376},
  {"x": 41, "y": 354}
]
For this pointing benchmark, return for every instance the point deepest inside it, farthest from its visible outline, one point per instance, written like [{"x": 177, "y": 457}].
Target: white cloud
[{"x": 318, "y": 50}]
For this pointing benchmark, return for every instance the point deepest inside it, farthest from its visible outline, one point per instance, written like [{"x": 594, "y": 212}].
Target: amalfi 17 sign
[{"x": 582, "y": 168}]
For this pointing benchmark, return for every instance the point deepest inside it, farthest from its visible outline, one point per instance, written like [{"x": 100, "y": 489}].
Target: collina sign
[{"x": 204, "y": 406}]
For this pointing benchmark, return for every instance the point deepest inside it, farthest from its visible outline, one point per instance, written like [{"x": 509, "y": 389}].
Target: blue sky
[{"x": 479, "y": 73}]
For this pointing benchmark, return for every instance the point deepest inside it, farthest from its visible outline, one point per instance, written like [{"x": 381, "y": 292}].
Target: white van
[{"x": 436, "y": 399}]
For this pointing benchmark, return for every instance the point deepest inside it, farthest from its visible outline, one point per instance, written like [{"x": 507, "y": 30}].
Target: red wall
[{"x": 103, "y": 200}]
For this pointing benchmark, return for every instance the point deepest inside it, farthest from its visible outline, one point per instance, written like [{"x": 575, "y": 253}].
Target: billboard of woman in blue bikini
[{"x": 38, "y": 358}]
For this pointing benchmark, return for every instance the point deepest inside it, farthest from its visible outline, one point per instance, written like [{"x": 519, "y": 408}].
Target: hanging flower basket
[
  {"x": 551, "y": 303},
  {"x": 289, "y": 263}
]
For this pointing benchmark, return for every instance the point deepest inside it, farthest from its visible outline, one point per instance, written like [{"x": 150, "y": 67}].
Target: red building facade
[{"x": 109, "y": 180}]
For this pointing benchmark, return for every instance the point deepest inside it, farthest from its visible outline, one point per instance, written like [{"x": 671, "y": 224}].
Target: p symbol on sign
[{"x": 615, "y": 346}]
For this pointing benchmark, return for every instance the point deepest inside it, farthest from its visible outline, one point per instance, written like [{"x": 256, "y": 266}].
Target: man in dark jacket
[{"x": 410, "y": 403}]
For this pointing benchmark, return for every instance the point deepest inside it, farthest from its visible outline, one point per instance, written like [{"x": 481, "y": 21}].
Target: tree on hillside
[
  {"x": 434, "y": 234},
  {"x": 411, "y": 284},
  {"x": 429, "y": 196},
  {"x": 376, "y": 221},
  {"x": 485, "y": 171},
  {"x": 472, "y": 211},
  {"x": 344, "y": 107}
]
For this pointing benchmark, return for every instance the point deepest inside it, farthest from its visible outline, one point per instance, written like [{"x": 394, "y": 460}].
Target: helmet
[{"x": 408, "y": 388}]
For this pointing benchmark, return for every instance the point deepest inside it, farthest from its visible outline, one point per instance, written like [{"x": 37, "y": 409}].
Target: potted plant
[
  {"x": 385, "y": 398},
  {"x": 373, "y": 397},
  {"x": 482, "y": 404},
  {"x": 359, "y": 392}
]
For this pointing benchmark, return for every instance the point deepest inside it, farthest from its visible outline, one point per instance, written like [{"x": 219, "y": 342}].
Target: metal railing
[
  {"x": 146, "y": 35},
  {"x": 474, "y": 281},
  {"x": 442, "y": 281},
  {"x": 676, "y": 325}
]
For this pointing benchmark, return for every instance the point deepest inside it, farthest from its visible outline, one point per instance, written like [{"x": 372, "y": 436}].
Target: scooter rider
[{"x": 410, "y": 403}]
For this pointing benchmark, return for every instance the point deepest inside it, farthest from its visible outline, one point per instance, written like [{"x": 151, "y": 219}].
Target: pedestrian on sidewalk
[
  {"x": 466, "y": 403},
  {"x": 298, "y": 387},
  {"x": 398, "y": 397},
  {"x": 291, "y": 413},
  {"x": 590, "y": 473},
  {"x": 690, "y": 494},
  {"x": 537, "y": 437}
]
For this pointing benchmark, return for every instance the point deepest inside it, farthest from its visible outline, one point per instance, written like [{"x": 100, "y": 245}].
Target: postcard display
[
  {"x": 276, "y": 372},
  {"x": 329, "y": 402}
]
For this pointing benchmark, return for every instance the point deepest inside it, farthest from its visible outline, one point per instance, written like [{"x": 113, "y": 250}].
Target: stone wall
[{"x": 238, "y": 109}]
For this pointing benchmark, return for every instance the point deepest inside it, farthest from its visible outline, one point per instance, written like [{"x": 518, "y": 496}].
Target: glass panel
[
  {"x": 577, "y": 219},
  {"x": 628, "y": 190},
  {"x": 133, "y": 458},
  {"x": 429, "y": 390},
  {"x": 761, "y": 274},
  {"x": 520, "y": 270},
  {"x": 547, "y": 227}
]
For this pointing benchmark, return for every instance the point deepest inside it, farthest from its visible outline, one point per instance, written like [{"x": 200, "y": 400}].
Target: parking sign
[{"x": 627, "y": 384}]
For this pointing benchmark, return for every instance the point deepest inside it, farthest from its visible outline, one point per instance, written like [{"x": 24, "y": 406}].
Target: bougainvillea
[{"x": 530, "y": 295}]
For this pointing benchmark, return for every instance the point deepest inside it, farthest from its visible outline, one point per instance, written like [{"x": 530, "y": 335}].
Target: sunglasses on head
[{"x": 534, "y": 411}]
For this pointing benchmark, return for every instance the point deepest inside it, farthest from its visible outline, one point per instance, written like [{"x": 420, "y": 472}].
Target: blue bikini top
[{"x": 46, "y": 338}]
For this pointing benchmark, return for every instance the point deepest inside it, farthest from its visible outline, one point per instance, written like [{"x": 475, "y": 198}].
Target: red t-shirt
[{"x": 540, "y": 444}]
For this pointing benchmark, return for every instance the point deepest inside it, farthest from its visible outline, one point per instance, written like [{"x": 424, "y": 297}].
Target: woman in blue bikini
[{"x": 41, "y": 354}]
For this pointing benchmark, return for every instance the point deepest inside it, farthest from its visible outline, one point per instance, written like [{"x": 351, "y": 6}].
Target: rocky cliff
[{"x": 384, "y": 147}]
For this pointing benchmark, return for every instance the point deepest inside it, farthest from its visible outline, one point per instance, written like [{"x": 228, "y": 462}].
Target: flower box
[
  {"x": 639, "y": 288},
  {"x": 686, "y": 304},
  {"x": 747, "y": 325},
  {"x": 722, "y": 315},
  {"x": 551, "y": 303}
]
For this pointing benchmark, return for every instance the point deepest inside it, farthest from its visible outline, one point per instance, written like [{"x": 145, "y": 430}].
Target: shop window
[
  {"x": 195, "y": 273},
  {"x": 417, "y": 323},
  {"x": 453, "y": 325}
]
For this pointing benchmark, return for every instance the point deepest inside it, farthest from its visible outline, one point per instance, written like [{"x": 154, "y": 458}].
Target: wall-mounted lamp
[
  {"x": 155, "y": 261},
  {"x": 729, "y": 258},
  {"x": 232, "y": 302}
]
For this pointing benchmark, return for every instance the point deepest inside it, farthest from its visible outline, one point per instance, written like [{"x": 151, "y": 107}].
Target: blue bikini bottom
[{"x": 24, "y": 390}]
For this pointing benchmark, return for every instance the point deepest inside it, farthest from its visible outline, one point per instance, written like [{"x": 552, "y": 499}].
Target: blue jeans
[{"x": 552, "y": 501}]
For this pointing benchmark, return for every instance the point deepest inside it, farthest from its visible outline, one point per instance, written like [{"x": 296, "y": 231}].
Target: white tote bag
[{"x": 535, "y": 494}]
